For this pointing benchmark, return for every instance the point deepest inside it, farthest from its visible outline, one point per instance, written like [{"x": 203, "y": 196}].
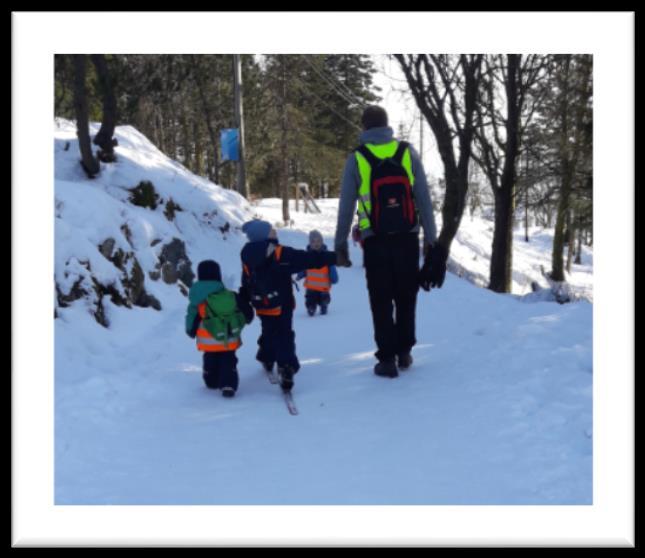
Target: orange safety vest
[
  {"x": 206, "y": 342},
  {"x": 318, "y": 279},
  {"x": 271, "y": 311}
]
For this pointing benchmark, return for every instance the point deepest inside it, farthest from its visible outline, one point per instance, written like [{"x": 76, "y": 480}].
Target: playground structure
[{"x": 308, "y": 202}]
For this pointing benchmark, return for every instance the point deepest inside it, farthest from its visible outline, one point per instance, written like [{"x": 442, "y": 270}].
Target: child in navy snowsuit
[
  {"x": 267, "y": 280},
  {"x": 318, "y": 281},
  {"x": 220, "y": 361}
]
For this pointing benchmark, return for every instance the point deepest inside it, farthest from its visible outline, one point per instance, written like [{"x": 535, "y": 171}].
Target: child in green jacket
[{"x": 214, "y": 318}]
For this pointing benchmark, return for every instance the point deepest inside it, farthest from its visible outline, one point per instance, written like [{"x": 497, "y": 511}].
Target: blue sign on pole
[{"x": 230, "y": 144}]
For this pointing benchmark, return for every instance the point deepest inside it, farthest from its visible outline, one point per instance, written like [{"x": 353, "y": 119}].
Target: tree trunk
[
  {"x": 187, "y": 148},
  {"x": 284, "y": 151},
  {"x": 216, "y": 165},
  {"x": 159, "y": 123},
  {"x": 89, "y": 163},
  {"x": 199, "y": 150},
  {"x": 105, "y": 138},
  {"x": 501, "y": 262},
  {"x": 526, "y": 200},
  {"x": 557, "y": 264},
  {"x": 571, "y": 241},
  {"x": 579, "y": 250},
  {"x": 171, "y": 126},
  {"x": 502, "y": 257},
  {"x": 453, "y": 206}
]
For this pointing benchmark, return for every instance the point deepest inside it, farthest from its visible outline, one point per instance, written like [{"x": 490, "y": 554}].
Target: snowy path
[{"x": 495, "y": 410}]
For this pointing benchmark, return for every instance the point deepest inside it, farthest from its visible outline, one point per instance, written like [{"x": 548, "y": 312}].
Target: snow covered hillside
[
  {"x": 496, "y": 409},
  {"x": 127, "y": 237}
]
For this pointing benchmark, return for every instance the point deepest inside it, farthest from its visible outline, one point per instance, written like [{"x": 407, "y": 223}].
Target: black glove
[
  {"x": 342, "y": 256},
  {"x": 433, "y": 271}
]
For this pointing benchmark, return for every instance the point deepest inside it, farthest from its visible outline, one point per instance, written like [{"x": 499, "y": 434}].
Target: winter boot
[
  {"x": 228, "y": 392},
  {"x": 386, "y": 368},
  {"x": 405, "y": 361},
  {"x": 286, "y": 377},
  {"x": 311, "y": 310},
  {"x": 268, "y": 366},
  {"x": 323, "y": 309}
]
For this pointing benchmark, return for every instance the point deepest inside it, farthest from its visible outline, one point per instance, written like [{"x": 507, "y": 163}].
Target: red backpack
[{"x": 393, "y": 208}]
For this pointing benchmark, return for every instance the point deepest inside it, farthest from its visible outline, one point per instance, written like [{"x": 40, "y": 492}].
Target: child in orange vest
[
  {"x": 220, "y": 362},
  {"x": 318, "y": 282}
]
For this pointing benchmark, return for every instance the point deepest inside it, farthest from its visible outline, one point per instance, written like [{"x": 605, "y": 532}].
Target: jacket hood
[
  {"x": 384, "y": 134},
  {"x": 254, "y": 253},
  {"x": 201, "y": 289}
]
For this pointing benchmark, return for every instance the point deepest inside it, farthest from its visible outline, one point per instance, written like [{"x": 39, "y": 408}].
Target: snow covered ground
[{"x": 497, "y": 408}]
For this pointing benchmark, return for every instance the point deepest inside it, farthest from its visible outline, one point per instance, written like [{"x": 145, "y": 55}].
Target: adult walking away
[{"x": 386, "y": 179}]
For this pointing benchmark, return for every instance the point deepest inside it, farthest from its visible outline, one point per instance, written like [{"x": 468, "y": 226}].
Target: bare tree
[
  {"x": 105, "y": 138},
  {"x": 89, "y": 163},
  {"x": 575, "y": 133},
  {"x": 504, "y": 110},
  {"x": 445, "y": 90}
]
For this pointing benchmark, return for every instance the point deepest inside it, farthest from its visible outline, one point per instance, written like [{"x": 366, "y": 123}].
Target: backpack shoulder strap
[
  {"x": 372, "y": 159},
  {"x": 400, "y": 151}
]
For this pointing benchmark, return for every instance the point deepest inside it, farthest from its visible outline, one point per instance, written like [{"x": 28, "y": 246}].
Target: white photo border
[{"x": 36, "y": 36}]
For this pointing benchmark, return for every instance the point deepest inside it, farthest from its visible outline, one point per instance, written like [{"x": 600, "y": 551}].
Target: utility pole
[{"x": 242, "y": 185}]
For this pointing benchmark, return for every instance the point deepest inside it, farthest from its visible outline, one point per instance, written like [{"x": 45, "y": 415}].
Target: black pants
[
  {"x": 316, "y": 298},
  {"x": 220, "y": 370},
  {"x": 392, "y": 268},
  {"x": 277, "y": 343}
]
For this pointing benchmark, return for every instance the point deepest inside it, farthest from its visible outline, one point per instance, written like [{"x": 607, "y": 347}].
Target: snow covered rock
[{"x": 138, "y": 225}]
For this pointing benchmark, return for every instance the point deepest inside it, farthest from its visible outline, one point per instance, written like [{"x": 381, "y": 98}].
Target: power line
[
  {"x": 302, "y": 83},
  {"x": 350, "y": 92},
  {"x": 335, "y": 85},
  {"x": 340, "y": 84}
]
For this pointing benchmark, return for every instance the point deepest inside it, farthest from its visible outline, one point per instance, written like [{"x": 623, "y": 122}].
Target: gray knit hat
[{"x": 313, "y": 235}]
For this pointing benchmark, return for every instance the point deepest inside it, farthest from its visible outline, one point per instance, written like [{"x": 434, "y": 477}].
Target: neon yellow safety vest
[{"x": 380, "y": 151}]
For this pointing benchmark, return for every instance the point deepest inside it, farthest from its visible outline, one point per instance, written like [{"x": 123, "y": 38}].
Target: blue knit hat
[{"x": 256, "y": 230}]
